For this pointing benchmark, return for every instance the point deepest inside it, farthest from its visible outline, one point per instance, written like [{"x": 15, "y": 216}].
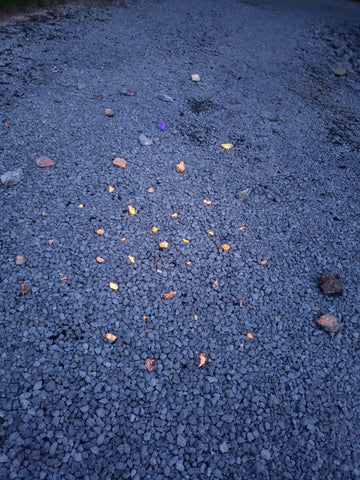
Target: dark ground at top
[{"x": 282, "y": 405}]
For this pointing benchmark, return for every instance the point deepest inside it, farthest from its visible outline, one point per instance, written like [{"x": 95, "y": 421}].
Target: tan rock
[{"x": 44, "y": 162}]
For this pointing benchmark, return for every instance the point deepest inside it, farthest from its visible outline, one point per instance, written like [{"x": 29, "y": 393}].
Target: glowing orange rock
[
  {"x": 225, "y": 247},
  {"x": 132, "y": 210},
  {"x": 170, "y": 294},
  {"x": 100, "y": 260},
  {"x": 180, "y": 167},
  {"x": 204, "y": 358},
  {"x": 113, "y": 286},
  {"x": 151, "y": 190},
  {"x": 250, "y": 336},
  {"x": 150, "y": 364},
  {"x": 100, "y": 231},
  {"x": 110, "y": 337},
  {"x": 163, "y": 245},
  {"x": 263, "y": 262}
]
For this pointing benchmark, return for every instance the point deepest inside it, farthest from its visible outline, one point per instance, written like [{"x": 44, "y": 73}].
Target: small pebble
[{"x": 20, "y": 260}]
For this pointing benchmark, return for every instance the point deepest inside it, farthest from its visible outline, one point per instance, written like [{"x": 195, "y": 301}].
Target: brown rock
[
  {"x": 328, "y": 322},
  {"x": 331, "y": 284},
  {"x": 44, "y": 162}
]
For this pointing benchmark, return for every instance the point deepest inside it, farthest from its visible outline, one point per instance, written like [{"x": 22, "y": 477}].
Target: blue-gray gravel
[{"x": 284, "y": 404}]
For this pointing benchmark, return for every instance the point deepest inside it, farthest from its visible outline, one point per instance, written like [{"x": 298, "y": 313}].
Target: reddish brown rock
[
  {"x": 331, "y": 284},
  {"x": 44, "y": 162},
  {"x": 328, "y": 322}
]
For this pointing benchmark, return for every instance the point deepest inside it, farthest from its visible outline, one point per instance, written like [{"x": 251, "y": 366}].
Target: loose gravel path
[{"x": 230, "y": 378}]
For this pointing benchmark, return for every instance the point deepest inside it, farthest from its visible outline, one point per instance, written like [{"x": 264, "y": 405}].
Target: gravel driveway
[{"x": 200, "y": 358}]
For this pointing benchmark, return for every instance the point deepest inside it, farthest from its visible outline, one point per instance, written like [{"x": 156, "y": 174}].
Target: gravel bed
[{"x": 231, "y": 377}]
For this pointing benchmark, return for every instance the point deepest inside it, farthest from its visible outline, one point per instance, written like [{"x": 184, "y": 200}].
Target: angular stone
[
  {"x": 265, "y": 454},
  {"x": 128, "y": 91},
  {"x": 181, "y": 441},
  {"x": 12, "y": 178},
  {"x": 144, "y": 140},
  {"x": 38, "y": 385},
  {"x": 224, "y": 448},
  {"x": 165, "y": 98},
  {"x": 339, "y": 71},
  {"x": 328, "y": 322},
  {"x": 331, "y": 284},
  {"x": 77, "y": 457},
  {"x": 243, "y": 195}
]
